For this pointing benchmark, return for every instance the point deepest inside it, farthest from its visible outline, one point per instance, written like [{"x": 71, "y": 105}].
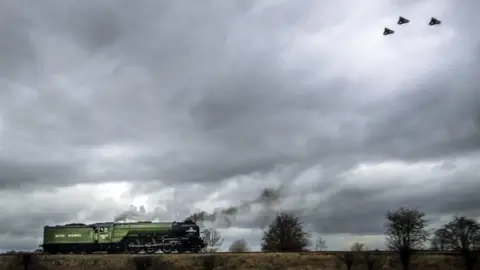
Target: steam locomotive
[{"x": 133, "y": 237}]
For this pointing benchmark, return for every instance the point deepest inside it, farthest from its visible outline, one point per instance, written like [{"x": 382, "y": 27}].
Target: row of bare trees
[{"x": 407, "y": 231}]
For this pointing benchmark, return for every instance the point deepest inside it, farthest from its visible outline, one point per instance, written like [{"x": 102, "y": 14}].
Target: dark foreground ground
[{"x": 227, "y": 261}]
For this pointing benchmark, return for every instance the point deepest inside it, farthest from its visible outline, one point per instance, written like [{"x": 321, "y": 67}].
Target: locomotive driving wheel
[
  {"x": 130, "y": 249},
  {"x": 149, "y": 249},
  {"x": 167, "y": 249}
]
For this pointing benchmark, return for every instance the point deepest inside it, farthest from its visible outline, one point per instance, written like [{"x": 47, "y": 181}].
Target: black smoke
[{"x": 267, "y": 199}]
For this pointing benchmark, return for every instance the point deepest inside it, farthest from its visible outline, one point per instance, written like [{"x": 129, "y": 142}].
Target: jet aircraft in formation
[{"x": 402, "y": 20}]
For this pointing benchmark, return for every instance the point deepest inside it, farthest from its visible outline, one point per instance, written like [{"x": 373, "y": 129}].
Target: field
[{"x": 227, "y": 261}]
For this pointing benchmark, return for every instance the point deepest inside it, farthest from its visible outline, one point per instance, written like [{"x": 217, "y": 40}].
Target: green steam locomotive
[{"x": 133, "y": 237}]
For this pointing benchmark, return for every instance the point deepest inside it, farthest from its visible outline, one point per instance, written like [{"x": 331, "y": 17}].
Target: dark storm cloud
[
  {"x": 19, "y": 59},
  {"x": 361, "y": 210},
  {"x": 353, "y": 206},
  {"x": 438, "y": 120},
  {"x": 20, "y": 173},
  {"x": 206, "y": 92},
  {"x": 18, "y": 221},
  {"x": 19, "y": 243},
  {"x": 213, "y": 114}
]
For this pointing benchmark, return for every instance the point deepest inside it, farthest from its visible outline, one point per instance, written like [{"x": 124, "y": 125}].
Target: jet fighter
[
  {"x": 402, "y": 20},
  {"x": 434, "y": 21},
  {"x": 388, "y": 31}
]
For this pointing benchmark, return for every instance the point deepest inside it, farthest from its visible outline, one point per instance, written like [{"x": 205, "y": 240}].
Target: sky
[{"x": 179, "y": 106}]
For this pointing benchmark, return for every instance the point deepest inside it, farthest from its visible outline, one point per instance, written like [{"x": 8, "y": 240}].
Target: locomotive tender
[{"x": 131, "y": 237}]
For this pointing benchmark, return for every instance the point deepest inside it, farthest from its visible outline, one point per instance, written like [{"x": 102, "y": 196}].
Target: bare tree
[
  {"x": 462, "y": 234},
  {"x": 213, "y": 239},
  {"x": 285, "y": 234},
  {"x": 437, "y": 242},
  {"x": 406, "y": 232},
  {"x": 358, "y": 247},
  {"x": 320, "y": 244},
  {"x": 239, "y": 246}
]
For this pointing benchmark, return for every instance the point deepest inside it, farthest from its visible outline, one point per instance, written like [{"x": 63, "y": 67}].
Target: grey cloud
[
  {"x": 438, "y": 120},
  {"x": 254, "y": 108},
  {"x": 19, "y": 57},
  {"x": 207, "y": 93},
  {"x": 96, "y": 27},
  {"x": 361, "y": 210},
  {"x": 351, "y": 206},
  {"x": 447, "y": 166},
  {"x": 21, "y": 242}
]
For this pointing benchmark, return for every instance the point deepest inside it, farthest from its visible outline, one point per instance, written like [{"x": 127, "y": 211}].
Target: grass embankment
[{"x": 260, "y": 261}]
